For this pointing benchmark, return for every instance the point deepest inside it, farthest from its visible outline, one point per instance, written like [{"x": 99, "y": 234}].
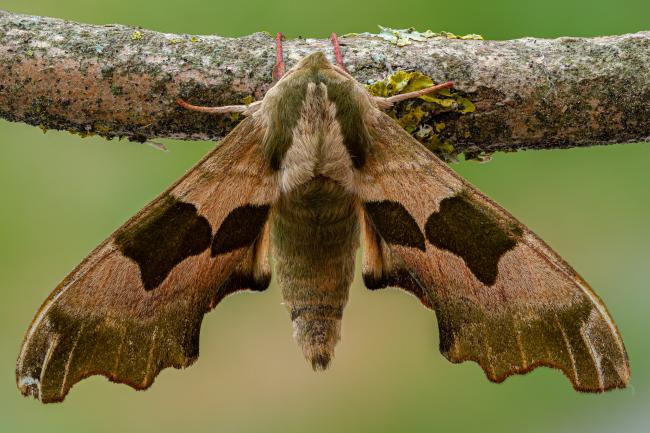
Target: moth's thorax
[{"x": 316, "y": 122}]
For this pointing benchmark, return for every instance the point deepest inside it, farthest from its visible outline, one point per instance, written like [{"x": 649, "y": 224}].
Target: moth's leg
[
  {"x": 278, "y": 69},
  {"x": 218, "y": 110},
  {"x": 278, "y": 72},
  {"x": 337, "y": 51},
  {"x": 385, "y": 103}
]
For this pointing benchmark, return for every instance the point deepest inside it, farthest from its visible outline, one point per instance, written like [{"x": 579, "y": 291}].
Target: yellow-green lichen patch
[
  {"x": 100, "y": 129},
  {"x": 247, "y": 100},
  {"x": 82, "y": 134},
  {"x": 402, "y": 37},
  {"x": 234, "y": 117},
  {"x": 136, "y": 35},
  {"x": 475, "y": 154},
  {"x": 184, "y": 39},
  {"x": 420, "y": 116}
]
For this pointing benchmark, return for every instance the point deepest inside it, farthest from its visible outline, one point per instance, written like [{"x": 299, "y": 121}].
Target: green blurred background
[{"x": 62, "y": 195}]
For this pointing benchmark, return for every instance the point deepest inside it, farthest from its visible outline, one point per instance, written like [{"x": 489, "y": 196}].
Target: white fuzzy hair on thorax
[{"x": 317, "y": 147}]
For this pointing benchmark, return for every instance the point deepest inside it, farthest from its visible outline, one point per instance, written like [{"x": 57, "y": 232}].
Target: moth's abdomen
[{"x": 315, "y": 235}]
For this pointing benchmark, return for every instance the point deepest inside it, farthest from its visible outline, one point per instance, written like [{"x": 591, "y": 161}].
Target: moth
[{"x": 315, "y": 168}]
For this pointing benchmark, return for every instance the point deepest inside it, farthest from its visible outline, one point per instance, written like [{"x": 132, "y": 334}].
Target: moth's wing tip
[
  {"x": 30, "y": 386},
  {"x": 614, "y": 382},
  {"x": 48, "y": 374}
]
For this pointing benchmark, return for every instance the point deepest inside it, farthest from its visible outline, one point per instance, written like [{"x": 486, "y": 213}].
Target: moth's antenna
[
  {"x": 337, "y": 51},
  {"x": 214, "y": 110},
  {"x": 278, "y": 69}
]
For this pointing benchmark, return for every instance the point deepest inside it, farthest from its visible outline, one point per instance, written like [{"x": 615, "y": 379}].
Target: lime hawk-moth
[{"x": 315, "y": 167}]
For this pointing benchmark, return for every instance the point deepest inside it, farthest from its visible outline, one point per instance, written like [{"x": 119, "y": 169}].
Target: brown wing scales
[
  {"x": 134, "y": 306},
  {"x": 253, "y": 271},
  {"x": 170, "y": 233},
  {"x": 394, "y": 223},
  {"x": 509, "y": 342},
  {"x": 502, "y": 297},
  {"x": 475, "y": 234}
]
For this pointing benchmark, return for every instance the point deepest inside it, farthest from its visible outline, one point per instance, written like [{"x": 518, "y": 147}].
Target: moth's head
[
  {"x": 311, "y": 94},
  {"x": 318, "y": 68},
  {"x": 290, "y": 91},
  {"x": 316, "y": 60}
]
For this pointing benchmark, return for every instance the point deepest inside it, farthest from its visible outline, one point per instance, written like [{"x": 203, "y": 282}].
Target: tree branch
[{"x": 115, "y": 80}]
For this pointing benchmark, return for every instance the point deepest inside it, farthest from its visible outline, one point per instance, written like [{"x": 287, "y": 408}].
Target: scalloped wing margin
[
  {"x": 502, "y": 297},
  {"x": 134, "y": 306}
]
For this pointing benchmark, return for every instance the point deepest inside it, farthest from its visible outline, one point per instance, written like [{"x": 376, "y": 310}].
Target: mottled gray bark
[{"x": 115, "y": 80}]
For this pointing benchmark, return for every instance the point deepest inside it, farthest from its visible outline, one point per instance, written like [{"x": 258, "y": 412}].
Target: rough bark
[{"x": 115, "y": 80}]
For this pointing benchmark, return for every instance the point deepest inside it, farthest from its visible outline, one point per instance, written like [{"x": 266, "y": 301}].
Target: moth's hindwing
[
  {"x": 502, "y": 297},
  {"x": 134, "y": 306}
]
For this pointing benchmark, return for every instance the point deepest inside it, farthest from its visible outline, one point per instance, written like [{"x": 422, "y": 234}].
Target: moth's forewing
[
  {"x": 502, "y": 297},
  {"x": 134, "y": 306}
]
